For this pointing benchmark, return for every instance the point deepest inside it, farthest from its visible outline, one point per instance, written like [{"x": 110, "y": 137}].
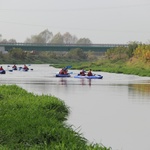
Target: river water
[{"x": 113, "y": 111}]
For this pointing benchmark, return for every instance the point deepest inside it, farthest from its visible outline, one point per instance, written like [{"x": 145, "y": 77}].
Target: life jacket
[
  {"x": 1, "y": 68},
  {"x": 61, "y": 71},
  {"x": 90, "y": 74},
  {"x": 82, "y": 73}
]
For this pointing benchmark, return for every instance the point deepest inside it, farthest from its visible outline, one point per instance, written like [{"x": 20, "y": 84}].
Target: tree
[
  {"x": 12, "y": 41},
  {"x": 84, "y": 41},
  {"x": 57, "y": 39},
  {"x": 131, "y": 47},
  {"x": 43, "y": 37},
  {"x": 46, "y": 36},
  {"x": 69, "y": 39}
]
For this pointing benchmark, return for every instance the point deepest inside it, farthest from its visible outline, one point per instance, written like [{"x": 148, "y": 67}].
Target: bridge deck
[{"x": 58, "y": 47}]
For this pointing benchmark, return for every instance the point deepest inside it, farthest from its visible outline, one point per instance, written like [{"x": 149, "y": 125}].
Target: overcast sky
[{"x": 102, "y": 21}]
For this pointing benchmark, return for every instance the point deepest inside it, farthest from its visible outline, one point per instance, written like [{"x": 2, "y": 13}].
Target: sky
[{"x": 102, "y": 21}]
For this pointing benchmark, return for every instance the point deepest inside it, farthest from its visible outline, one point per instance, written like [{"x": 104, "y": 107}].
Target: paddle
[{"x": 67, "y": 67}]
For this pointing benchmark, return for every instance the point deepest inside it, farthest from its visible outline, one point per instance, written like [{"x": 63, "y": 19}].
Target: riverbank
[
  {"x": 135, "y": 68},
  {"x": 29, "y": 121}
]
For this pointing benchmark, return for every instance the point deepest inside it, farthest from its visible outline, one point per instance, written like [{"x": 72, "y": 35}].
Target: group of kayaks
[
  {"x": 14, "y": 68},
  {"x": 89, "y": 77},
  {"x": 57, "y": 74},
  {"x": 79, "y": 76}
]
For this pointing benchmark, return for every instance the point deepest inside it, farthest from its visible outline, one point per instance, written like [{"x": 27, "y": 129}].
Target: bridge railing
[
  {"x": 49, "y": 44},
  {"x": 59, "y": 47}
]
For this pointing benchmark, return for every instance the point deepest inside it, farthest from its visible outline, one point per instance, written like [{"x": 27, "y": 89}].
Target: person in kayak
[
  {"x": 2, "y": 71},
  {"x": 61, "y": 71},
  {"x": 14, "y": 67},
  {"x": 90, "y": 73},
  {"x": 65, "y": 71},
  {"x": 82, "y": 72},
  {"x": 1, "y": 68},
  {"x": 25, "y": 68}
]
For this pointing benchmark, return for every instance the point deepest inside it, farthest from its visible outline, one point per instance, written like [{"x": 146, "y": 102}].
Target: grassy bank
[
  {"x": 135, "y": 68},
  {"x": 33, "y": 122}
]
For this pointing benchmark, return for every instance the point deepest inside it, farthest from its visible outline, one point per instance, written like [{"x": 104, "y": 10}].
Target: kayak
[
  {"x": 2, "y": 71},
  {"x": 89, "y": 77},
  {"x": 62, "y": 75},
  {"x": 22, "y": 69}
]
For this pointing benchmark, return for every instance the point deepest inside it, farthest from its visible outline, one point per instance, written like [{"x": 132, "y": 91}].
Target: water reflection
[
  {"x": 83, "y": 82},
  {"x": 139, "y": 92},
  {"x": 63, "y": 81}
]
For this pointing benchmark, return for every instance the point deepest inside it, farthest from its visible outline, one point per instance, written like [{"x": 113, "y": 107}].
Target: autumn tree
[{"x": 142, "y": 52}]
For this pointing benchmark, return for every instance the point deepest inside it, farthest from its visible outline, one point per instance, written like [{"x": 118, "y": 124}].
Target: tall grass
[
  {"x": 105, "y": 65},
  {"x": 33, "y": 122}
]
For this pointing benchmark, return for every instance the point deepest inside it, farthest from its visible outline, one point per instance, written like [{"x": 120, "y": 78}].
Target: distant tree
[
  {"x": 74, "y": 39},
  {"x": 44, "y": 37},
  {"x": 132, "y": 45},
  {"x": 84, "y": 41},
  {"x": 12, "y": 41},
  {"x": 69, "y": 39},
  {"x": 3, "y": 41},
  {"x": 47, "y": 37},
  {"x": 57, "y": 39}
]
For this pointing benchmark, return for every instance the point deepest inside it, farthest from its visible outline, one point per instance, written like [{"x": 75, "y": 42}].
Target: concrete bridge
[{"x": 58, "y": 47}]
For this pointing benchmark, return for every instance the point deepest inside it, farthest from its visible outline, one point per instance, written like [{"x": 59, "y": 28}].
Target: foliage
[
  {"x": 118, "y": 60},
  {"x": 131, "y": 47},
  {"x": 142, "y": 52},
  {"x": 84, "y": 41},
  {"x": 57, "y": 39},
  {"x": 17, "y": 53},
  {"x": 118, "y": 53},
  {"x": 69, "y": 39},
  {"x": 47, "y": 37},
  {"x": 35, "y": 122},
  {"x": 76, "y": 54}
]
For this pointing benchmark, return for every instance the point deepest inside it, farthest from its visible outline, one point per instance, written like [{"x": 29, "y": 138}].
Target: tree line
[{"x": 48, "y": 37}]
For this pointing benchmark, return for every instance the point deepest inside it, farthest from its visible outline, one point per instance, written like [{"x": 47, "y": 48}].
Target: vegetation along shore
[
  {"x": 134, "y": 59},
  {"x": 33, "y": 122}
]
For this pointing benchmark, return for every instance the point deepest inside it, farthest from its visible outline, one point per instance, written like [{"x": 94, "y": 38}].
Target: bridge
[{"x": 58, "y": 47}]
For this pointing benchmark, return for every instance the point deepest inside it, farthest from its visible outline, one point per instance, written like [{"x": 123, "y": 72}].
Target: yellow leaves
[{"x": 142, "y": 52}]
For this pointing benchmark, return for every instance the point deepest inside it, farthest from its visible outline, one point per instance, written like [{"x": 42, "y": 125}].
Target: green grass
[
  {"x": 33, "y": 122},
  {"x": 139, "y": 68}
]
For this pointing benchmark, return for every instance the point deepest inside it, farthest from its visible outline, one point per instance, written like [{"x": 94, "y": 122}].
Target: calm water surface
[{"x": 113, "y": 111}]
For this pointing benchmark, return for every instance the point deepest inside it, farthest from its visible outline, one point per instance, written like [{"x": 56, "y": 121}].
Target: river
[{"x": 113, "y": 111}]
